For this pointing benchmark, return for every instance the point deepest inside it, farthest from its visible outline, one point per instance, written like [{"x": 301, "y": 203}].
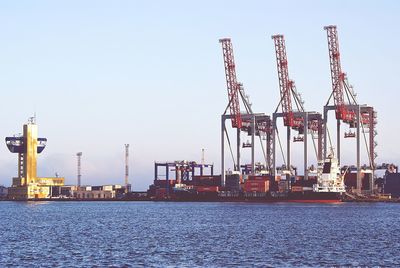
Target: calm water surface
[{"x": 134, "y": 234}]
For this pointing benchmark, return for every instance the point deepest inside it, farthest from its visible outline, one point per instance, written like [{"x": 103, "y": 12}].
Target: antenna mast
[
  {"x": 79, "y": 155},
  {"x": 126, "y": 167}
]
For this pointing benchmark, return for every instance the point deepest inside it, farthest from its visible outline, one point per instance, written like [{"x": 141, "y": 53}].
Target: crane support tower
[
  {"x": 254, "y": 124},
  {"x": 362, "y": 118},
  {"x": 298, "y": 119}
]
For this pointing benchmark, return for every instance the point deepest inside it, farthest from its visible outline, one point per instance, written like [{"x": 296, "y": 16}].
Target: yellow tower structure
[{"x": 27, "y": 185}]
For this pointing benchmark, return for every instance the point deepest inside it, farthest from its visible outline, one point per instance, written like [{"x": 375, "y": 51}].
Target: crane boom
[
  {"x": 338, "y": 77},
  {"x": 285, "y": 84},
  {"x": 231, "y": 82}
]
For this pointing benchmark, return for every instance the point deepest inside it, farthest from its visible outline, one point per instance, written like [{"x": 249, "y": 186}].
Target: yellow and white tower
[{"x": 27, "y": 185}]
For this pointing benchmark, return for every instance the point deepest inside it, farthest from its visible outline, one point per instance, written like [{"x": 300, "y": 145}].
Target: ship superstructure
[{"x": 329, "y": 178}]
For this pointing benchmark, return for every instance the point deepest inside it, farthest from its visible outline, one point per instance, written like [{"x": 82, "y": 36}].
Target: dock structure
[{"x": 184, "y": 171}]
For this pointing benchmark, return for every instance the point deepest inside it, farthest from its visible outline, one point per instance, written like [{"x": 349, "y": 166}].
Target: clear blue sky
[{"x": 150, "y": 73}]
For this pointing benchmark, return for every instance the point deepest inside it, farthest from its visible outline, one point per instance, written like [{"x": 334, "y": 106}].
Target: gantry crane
[
  {"x": 302, "y": 121},
  {"x": 347, "y": 110},
  {"x": 255, "y": 124}
]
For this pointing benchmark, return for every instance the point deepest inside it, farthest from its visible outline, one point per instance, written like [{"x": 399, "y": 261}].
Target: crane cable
[
  {"x": 366, "y": 143},
  {"x": 230, "y": 147},
  {"x": 280, "y": 146}
]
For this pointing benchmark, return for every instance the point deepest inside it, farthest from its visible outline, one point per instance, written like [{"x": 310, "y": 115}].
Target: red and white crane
[
  {"x": 254, "y": 124},
  {"x": 339, "y": 83},
  {"x": 347, "y": 109},
  {"x": 297, "y": 119},
  {"x": 286, "y": 86}
]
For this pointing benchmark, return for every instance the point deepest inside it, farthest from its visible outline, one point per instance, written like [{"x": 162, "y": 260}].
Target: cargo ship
[
  {"x": 330, "y": 183},
  {"x": 327, "y": 186}
]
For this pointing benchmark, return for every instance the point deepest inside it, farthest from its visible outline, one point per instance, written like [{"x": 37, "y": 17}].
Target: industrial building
[
  {"x": 27, "y": 185},
  {"x": 73, "y": 192},
  {"x": 99, "y": 192}
]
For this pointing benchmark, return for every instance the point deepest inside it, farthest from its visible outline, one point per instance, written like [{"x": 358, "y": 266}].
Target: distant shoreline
[{"x": 396, "y": 200}]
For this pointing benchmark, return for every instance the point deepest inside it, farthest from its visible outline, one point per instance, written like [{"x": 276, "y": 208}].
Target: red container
[
  {"x": 206, "y": 180},
  {"x": 297, "y": 188},
  {"x": 206, "y": 177},
  {"x": 161, "y": 193},
  {"x": 163, "y": 183},
  {"x": 258, "y": 177},
  {"x": 260, "y": 186},
  {"x": 350, "y": 180},
  {"x": 201, "y": 189}
]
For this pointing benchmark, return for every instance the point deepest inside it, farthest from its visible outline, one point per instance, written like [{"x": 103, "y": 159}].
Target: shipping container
[
  {"x": 392, "y": 184},
  {"x": 350, "y": 180},
  {"x": 299, "y": 178},
  {"x": 206, "y": 188},
  {"x": 232, "y": 182},
  {"x": 206, "y": 180},
  {"x": 283, "y": 186},
  {"x": 233, "y": 177},
  {"x": 256, "y": 186},
  {"x": 161, "y": 193},
  {"x": 259, "y": 177},
  {"x": 206, "y": 177},
  {"x": 273, "y": 186},
  {"x": 297, "y": 188},
  {"x": 163, "y": 183},
  {"x": 305, "y": 183}
]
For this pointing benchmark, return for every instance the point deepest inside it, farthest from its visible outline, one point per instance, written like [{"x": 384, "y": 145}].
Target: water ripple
[{"x": 147, "y": 234}]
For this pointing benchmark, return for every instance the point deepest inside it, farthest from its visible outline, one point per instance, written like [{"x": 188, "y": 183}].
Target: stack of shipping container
[{"x": 160, "y": 188}]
